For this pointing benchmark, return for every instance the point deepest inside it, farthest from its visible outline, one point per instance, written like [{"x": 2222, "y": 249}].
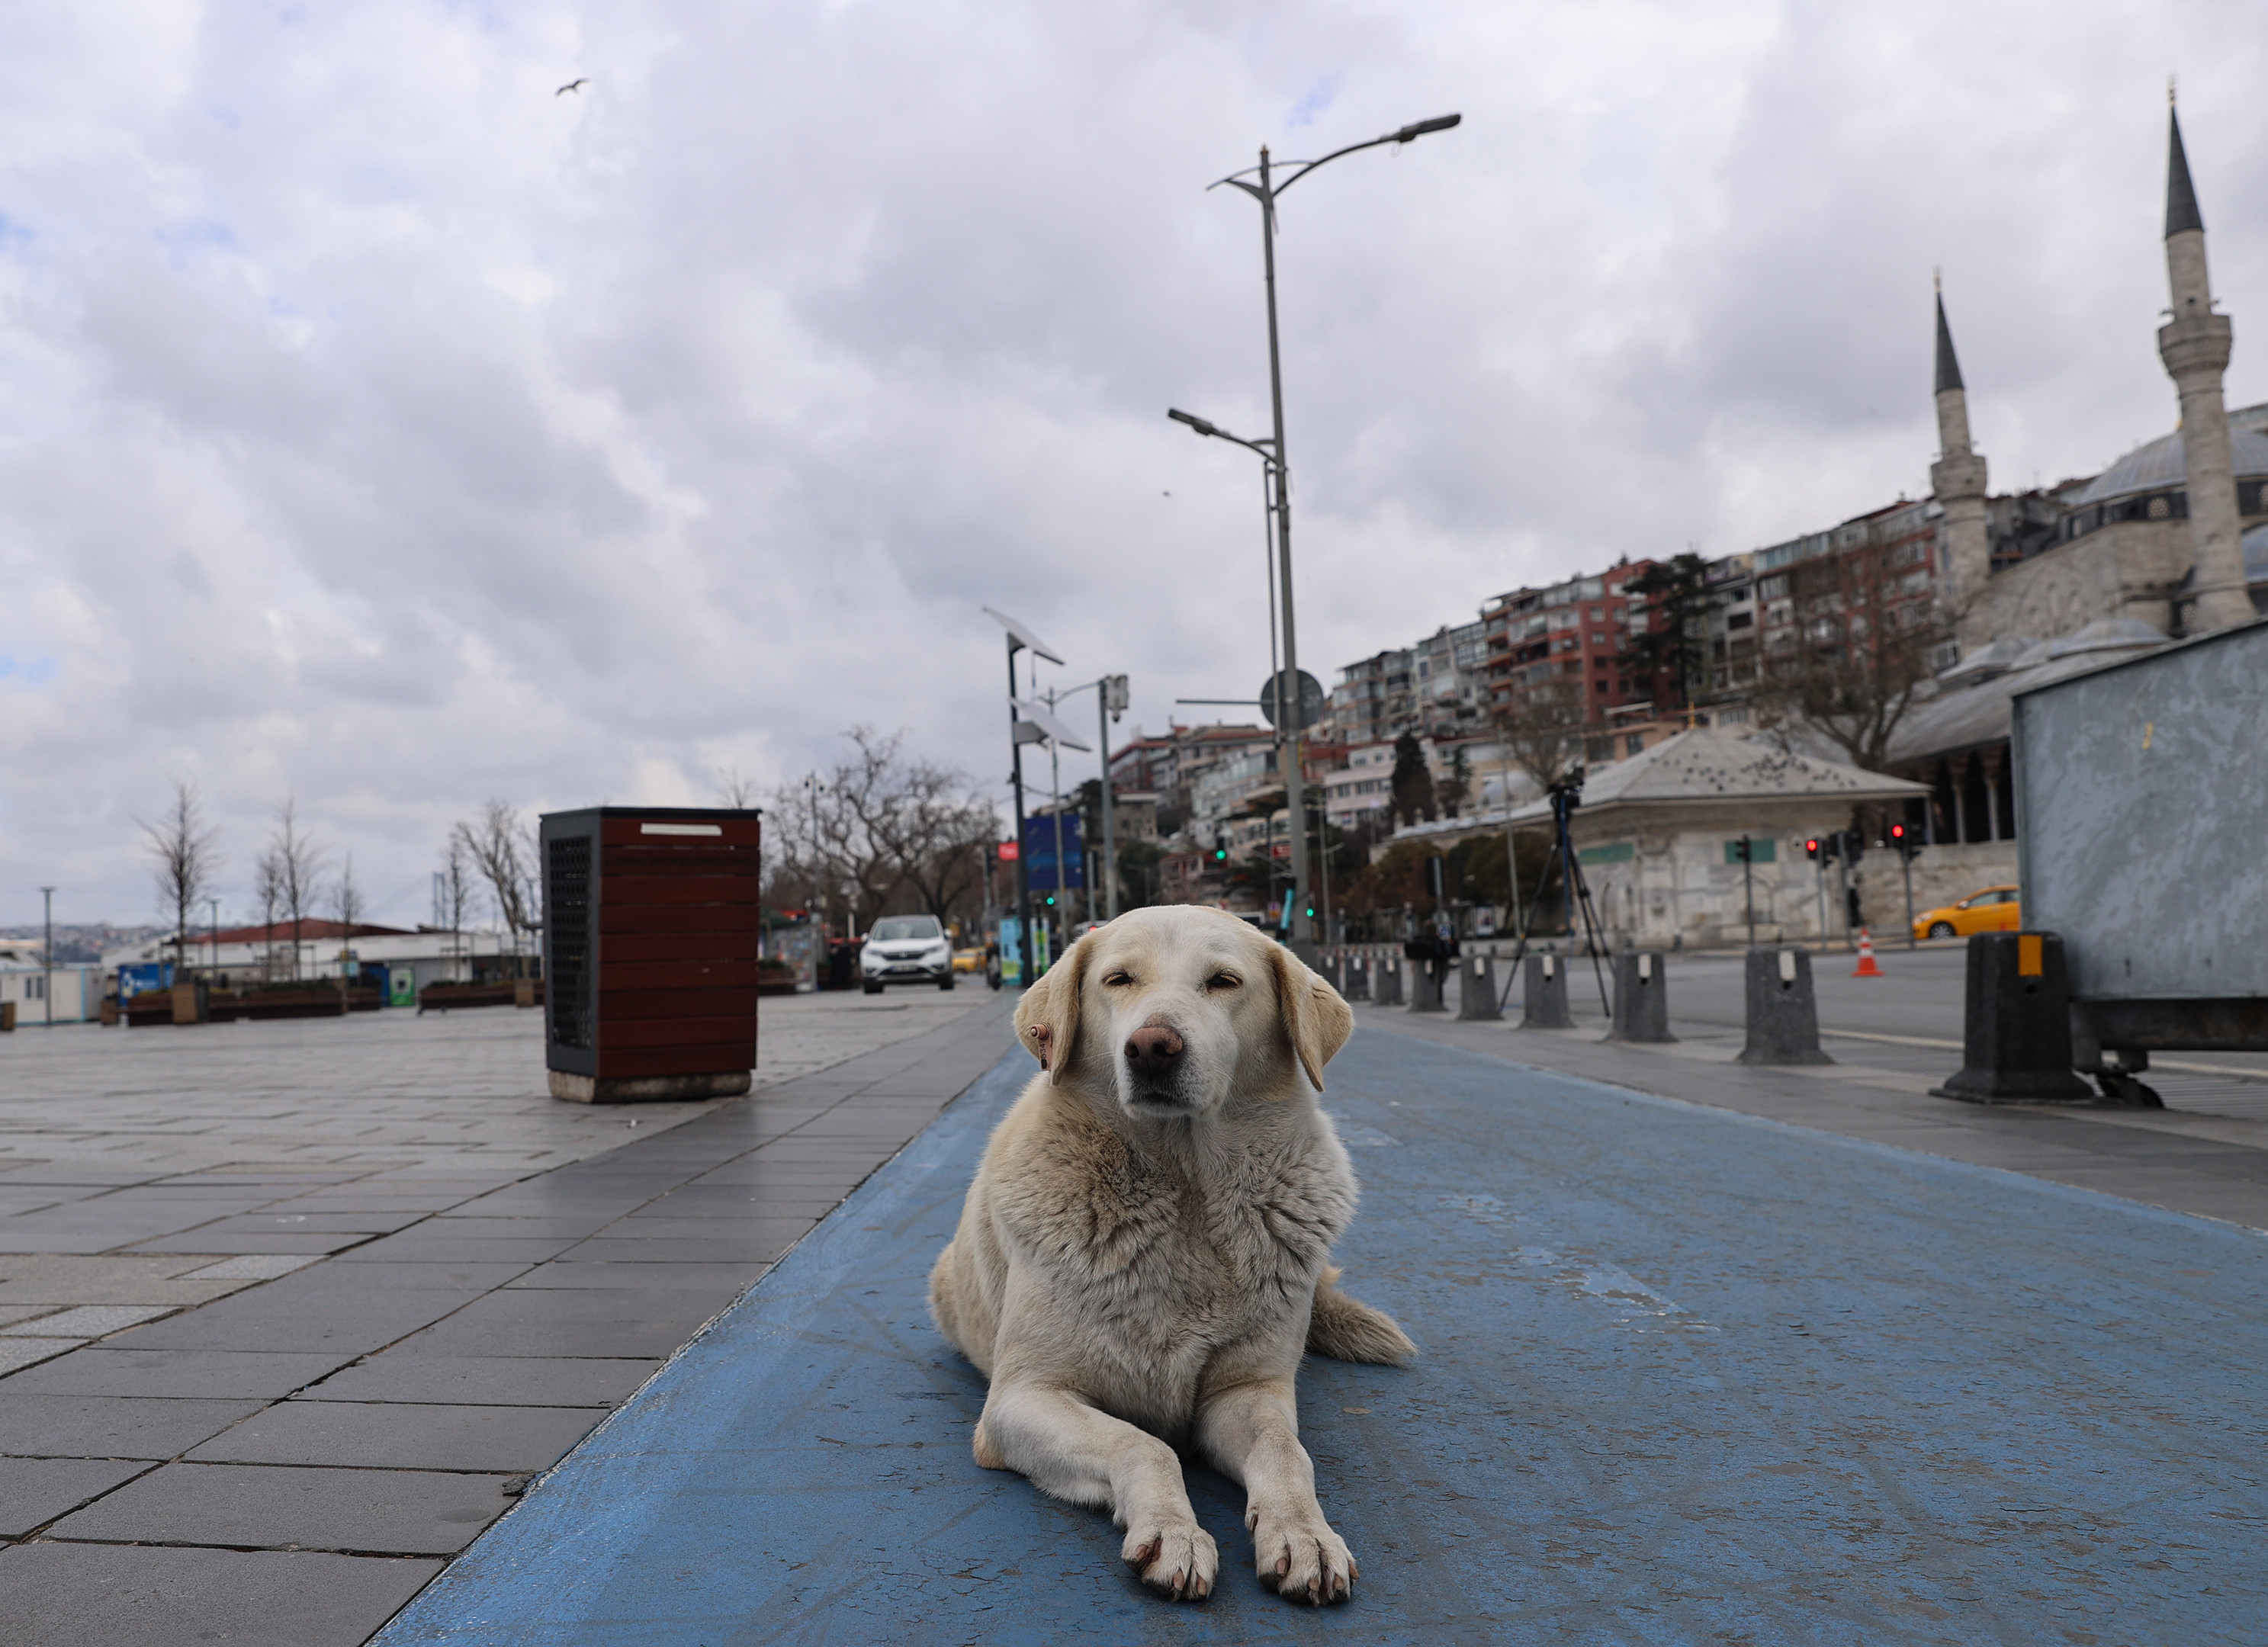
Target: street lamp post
[
  {"x": 1266, "y": 191},
  {"x": 1021, "y": 732},
  {"x": 47, "y": 960}
]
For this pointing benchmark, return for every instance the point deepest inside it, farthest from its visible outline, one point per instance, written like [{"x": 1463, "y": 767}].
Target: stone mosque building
[
  {"x": 2169, "y": 541},
  {"x": 2160, "y": 538}
]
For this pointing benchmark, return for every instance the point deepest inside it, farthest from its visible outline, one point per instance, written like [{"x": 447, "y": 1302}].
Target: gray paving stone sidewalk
[{"x": 391, "y": 1280}]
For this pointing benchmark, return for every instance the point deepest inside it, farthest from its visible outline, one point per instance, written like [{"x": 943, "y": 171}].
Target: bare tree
[
  {"x": 883, "y": 826},
  {"x": 347, "y": 910},
  {"x": 1542, "y": 731},
  {"x": 1862, "y": 642},
  {"x": 733, "y": 790},
  {"x": 453, "y": 897},
  {"x": 267, "y": 893},
  {"x": 299, "y": 863},
  {"x": 502, "y": 851},
  {"x": 185, "y": 858}
]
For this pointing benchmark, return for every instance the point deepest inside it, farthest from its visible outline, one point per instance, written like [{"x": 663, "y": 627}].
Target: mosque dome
[{"x": 2157, "y": 466}]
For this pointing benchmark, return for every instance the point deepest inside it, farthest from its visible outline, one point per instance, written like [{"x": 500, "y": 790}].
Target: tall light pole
[
  {"x": 47, "y": 963},
  {"x": 1266, "y": 190},
  {"x": 1021, "y": 732}
]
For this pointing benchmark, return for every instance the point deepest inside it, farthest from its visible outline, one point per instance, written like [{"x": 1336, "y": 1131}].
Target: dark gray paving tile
[
  {"x": 429, "y": 1244},
  {"x": 747, "y": 1248},
  {"x": 245, "y": 1241},
  {"x": 571, "y": 1321},
  {"x": 343, "y": 1325},
  {"x": 34, "y": 1491},
  {"x": 740, "y": 1201},
  {"x": 110, "y": 1426},
  {"x": 109, "y": 1595},
  {"x": 271, "y": 1221},
  {"x": 402, "y": 1436},
  {"x": 226, "y": 1374},
  {"x": 543, "y": 1226},
  {"x": 719, "y": 1279},
  {"x": 403, "y": 1374},
  {"x": 412, "y": 1274},
  {"x": 752, "y": 1232},
  {"x": 377, "y": 1513}
]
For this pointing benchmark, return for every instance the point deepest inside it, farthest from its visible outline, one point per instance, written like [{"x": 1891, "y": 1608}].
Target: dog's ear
[
  {"x": 1046, "y": 1019},
  {"x": 1316, "y": 1020}
]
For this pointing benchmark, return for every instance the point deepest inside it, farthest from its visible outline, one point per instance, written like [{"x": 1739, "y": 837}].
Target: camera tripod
[{"x": 1565, "y": 795}]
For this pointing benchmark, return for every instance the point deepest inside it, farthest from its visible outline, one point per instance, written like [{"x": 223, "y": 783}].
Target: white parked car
[{"x": 906, "y": 949}]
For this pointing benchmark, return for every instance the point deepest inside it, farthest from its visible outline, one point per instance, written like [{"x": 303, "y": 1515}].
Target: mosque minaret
[
  {"x": 1957, "y": 478},
  {"x": 2195, "y": 346}
]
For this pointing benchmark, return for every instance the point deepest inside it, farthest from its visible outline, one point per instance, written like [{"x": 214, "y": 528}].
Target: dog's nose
[{"x": 1151, "y": 1049}]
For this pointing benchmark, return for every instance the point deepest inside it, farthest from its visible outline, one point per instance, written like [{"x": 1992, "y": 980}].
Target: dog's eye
[
  {"x": 1117, "y": 978},
  {"x": 1224, "y": 981}
]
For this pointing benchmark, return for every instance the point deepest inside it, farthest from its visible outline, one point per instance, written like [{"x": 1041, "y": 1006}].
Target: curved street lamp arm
[
  {"x": 1215, "y": 432},
  {"x": 1295, "y": 170}
]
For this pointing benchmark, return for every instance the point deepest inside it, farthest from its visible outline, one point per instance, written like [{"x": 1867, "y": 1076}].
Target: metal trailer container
[
  {"x": 651, "y": 928},
  {"x": 2142, "y": 839}
]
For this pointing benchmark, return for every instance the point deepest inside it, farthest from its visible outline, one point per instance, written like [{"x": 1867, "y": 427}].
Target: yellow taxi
[
  {"x": 1994, "y": 909},
  {"x": 971, "y": 960}
]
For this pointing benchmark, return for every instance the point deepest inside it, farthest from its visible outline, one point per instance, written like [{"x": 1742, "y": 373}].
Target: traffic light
[
  {"x": 1811, "y": 849},
  {"x": 1051, "y": 900},
  {"x": 1904, "y": 843},
  {"x": 1831, "y": 847},
  {"x": 1220, "y": 848},
  {"x": 1854, "y": 845},
  {"x": 1742, "y": 849}
]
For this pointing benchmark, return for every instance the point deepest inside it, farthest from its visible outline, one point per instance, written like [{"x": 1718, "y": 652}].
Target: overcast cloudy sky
[{"x": 380, "y": 429}]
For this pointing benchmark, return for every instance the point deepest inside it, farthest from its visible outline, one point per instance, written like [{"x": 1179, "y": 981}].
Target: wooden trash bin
[{"x": 650, "y": 931}]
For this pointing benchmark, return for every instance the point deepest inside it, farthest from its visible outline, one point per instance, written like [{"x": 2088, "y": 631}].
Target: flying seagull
[{"x": 572, "y": 86}]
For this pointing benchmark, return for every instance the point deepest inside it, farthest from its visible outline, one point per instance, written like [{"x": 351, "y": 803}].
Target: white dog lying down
[{"x": 1145, "y": 1249}]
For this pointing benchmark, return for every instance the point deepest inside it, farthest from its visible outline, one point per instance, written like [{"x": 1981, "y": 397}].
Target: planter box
[{"x": 441, "y": 997}]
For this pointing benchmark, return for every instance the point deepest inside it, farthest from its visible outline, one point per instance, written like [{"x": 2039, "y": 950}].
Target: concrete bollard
[
  {"x": 1782, "y": 1010},
  {"x": 1425, "y": 988},
  {"x": 1641, "y": 997},
  {"x": 1546, "y": 993},
  {"x": 2016, "y": 1033},
  {"x": 1356, "y": 972},
  {"x": 1327, "y": 968},
  {"x": 1386, "y": 986},
  {"x": 1476, "y": 990}
]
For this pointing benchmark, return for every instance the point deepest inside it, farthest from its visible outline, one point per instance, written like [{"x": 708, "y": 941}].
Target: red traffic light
[
  {"x": 1811, "y": 848},
  {"x": 1897, "y": 831}
]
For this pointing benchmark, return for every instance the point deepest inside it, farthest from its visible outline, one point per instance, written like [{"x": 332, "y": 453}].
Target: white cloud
[{"x": 380, "y": 428}]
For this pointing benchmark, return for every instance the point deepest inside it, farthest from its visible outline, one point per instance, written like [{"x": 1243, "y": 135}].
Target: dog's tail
[{"x": 1346, "y": 1330}]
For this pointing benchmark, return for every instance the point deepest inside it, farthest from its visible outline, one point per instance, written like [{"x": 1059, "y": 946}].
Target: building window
[{"x": 1635, "y": 743}]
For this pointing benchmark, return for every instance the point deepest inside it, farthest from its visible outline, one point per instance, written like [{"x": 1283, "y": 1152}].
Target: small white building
[
  {"x": 1656, "y": 836},
  {"x": 68, "y": 993}
]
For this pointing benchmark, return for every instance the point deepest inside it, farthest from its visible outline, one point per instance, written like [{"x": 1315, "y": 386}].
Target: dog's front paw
[
  {"x": 1298, "y": 1557},
  {"x": 1172, "y": 1553}
]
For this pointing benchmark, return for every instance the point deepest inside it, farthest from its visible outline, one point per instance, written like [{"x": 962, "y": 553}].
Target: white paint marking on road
[
  {"x": 1642, "y": 1306},
  {"x": 1355, "y": 1135}
]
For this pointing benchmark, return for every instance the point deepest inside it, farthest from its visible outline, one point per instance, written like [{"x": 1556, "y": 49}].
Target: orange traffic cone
[{"x": 1866, "y": 967}]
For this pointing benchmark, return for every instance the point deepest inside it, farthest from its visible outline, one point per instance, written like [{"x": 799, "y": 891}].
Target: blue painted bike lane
[{"x": 1686, "y": 1376}]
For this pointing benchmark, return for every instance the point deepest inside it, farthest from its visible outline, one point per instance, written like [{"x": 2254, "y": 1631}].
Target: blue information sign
[{"x": 1040, "y": 853}]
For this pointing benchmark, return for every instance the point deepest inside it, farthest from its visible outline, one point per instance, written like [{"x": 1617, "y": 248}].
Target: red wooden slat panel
[
  {"x": 649, "y": 889},
  {"x": 617, "y": 1006},
  {"x": 679, "y": 1031},
  {"x": 674, "y": 974},
  {"x": 726, "y": 1058},
  {"x": 682, "y": 945},
  {"x": 706, "y": 859},
  {"x": 678, "y": 917}
]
